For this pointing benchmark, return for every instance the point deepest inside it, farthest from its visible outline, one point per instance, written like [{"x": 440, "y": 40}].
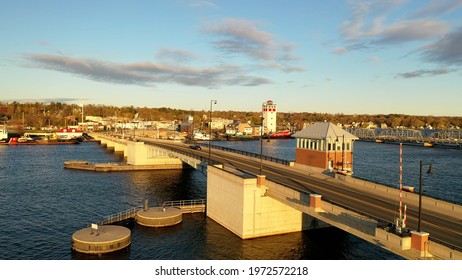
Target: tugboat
[{"x": 281, "y": 135}]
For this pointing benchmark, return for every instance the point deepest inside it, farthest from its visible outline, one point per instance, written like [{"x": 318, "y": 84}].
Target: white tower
[{"x": 269, "y": 116}]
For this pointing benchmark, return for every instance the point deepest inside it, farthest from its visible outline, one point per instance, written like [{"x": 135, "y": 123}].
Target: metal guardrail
[
  {"x": 249, "y": 154},
  {"x": 184, "y": 203},
  {"x": 120, "y": 216},
  {"x": 131, "y": 212},
  {"x": 379, "y": 220}
]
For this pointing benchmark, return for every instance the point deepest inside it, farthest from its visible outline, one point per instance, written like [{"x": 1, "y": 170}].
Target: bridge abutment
[{"x": 239, "y": 203}]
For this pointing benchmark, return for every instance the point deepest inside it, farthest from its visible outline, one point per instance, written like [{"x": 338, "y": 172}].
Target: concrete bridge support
[
  {"x": 141, "y": 154},
  {"x": 240, "y": 204}
]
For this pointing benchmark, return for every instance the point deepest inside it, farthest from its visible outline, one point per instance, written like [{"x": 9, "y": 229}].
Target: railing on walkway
[
  {"x": 120, "y": 216},
  {"x": 189, "y": 206}
]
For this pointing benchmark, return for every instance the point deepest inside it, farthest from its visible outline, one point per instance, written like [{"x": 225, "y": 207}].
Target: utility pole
[{"x": 213, "y": 101}]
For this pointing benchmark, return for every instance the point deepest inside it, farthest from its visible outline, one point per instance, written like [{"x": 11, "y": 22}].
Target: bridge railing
[
  {"x": 249, "y": 154},
  {"x": 379, "y": 220}
]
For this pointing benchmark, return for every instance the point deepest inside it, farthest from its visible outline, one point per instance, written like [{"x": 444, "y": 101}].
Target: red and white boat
[
  {"x": 281, "y": 135},
  {"x": 69, "y": 134}
]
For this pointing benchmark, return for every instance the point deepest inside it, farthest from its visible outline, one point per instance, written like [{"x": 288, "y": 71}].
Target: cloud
[
  {"x": 447, "y": 50},
  {"x": 201, "y": 4},
  {"x": 242, "y": 37},
  {"x": 368, "y": 26},
  {"x": 374, "y": 59},
  {"x": 145, "y": 73},
  {"x": 340, "y": 51},
  {"x": 438, "y": 7},
  {"x": 177, "y": 55},
  {"x": 424, "y": 73},
  {"x": 406, "y": 31}
]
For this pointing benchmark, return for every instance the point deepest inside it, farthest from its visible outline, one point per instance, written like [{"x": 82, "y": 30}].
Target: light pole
[
  {"x": 343, "y": 150},
  {"x": 420, "y": 194},
  {"x": 329, "y": 147},
  {"x": 213, "y": 101},
  {"x": 261, "y": 146}
]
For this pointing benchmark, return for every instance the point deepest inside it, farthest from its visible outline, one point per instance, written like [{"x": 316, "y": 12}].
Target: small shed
[{"x": 325, "y": 145}]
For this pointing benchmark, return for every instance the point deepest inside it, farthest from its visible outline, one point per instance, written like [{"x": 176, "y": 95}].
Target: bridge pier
[
  {"x": 239, "y": 203},
  {"x": 141, "y": 154}
]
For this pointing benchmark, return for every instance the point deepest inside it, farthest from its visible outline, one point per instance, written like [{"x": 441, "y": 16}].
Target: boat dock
[
  {"x": 105, "y": 237},
  {"x": 112, "y": 166}
]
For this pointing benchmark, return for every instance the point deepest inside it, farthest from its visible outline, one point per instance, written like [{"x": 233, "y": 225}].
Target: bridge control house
[{"x": 325, "y": 145}]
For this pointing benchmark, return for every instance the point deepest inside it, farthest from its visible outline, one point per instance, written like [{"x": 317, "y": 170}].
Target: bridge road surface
[{"x": 443, "y": 228}]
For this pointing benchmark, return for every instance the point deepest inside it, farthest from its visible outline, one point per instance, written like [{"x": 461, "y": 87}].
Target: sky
[{"x": 338, "y": 57}]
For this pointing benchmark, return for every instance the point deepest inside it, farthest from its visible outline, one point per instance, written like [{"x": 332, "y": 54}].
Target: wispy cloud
[
  {"x": 178, "y": 55},
  {"x": 146, "y": 73},
  {"x": 438, "y": 7},
  {"x": 424, "y": 73},
  {"x": 370, "y": 25},
  {"x": 374, "y": 59},
  {"x": 378, "y": 24},
  {"x": 340, "y": 51},
  {"x": 406, "y": 31},
  {"x": 201, "y": 4},
  {"x": 447, "y": 50},
  {"x": 243, "y": 37}
]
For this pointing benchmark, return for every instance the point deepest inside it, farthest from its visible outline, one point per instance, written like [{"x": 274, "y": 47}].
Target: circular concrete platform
[
  {"x": 159, "y": 217},
  {"x": 105, "y": 239}
]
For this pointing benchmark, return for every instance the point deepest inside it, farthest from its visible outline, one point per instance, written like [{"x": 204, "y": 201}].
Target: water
[{"x": 42, "y": 205}]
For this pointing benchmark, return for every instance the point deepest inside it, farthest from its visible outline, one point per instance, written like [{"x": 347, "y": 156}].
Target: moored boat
[
  {"x": 3, "y": 135},
  {"x": 30, "y": 141},
  {"x": 69, "y": 134},
  {"x": 281, "y": 135}
]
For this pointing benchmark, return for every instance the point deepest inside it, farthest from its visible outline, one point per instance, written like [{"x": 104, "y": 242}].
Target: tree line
[{"x": 56, "y": 114}]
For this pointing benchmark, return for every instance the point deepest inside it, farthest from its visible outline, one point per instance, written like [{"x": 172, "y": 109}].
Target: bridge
[
  {"x": 444, "y": 138},
  {"x": 285, "y": 197}
]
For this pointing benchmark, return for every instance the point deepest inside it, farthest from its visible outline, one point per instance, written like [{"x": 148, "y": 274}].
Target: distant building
[
  {"x": 219, "y": 123},
  {"x": 269, "y": 116},
  {"x": 325, "y": 145},
  {"x": 245, "y": 128}
]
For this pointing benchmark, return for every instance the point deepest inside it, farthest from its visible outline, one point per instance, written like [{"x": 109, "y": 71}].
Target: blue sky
[{"x": 351, "y": 57}]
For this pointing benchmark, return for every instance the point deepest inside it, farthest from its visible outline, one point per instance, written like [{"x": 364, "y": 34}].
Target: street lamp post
[
  {"x": 343, "y": 150},
  {"x": 261, "y": 146},
  {"x": 329, "y": 147},
  {"x": 213, "y": 101},
  {"x": 420, "y": 194}
]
